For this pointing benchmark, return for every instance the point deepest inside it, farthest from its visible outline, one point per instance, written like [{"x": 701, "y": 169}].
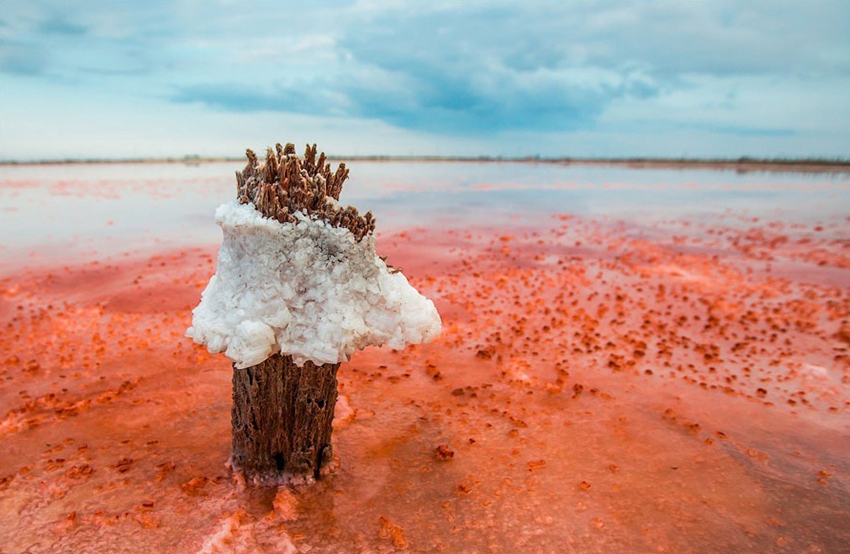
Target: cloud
[
  {"x": 476, "y": 70},
  {"x": 61, "y": 25},
  {"x": 481, "y": 67},
  {"x": 426, "y": 100},
  {"x": 236, "y": 98},
  {"x": 443, "y": 69},
  {"x": 18, "y": 58},
  {"x": 82, "y": 41}
]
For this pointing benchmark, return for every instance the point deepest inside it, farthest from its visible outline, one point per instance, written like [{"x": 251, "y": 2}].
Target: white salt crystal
[{"x": 307, "y": 289}]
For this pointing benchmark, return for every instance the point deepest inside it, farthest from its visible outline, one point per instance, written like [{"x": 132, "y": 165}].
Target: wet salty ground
[{"x": 631, "y": 361}]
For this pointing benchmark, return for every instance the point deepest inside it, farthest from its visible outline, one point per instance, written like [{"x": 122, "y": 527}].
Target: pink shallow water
[{"x": 602, "y": 385}]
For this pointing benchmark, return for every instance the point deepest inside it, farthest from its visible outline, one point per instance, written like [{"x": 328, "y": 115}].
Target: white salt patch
[{"x": 307, "y": 289}]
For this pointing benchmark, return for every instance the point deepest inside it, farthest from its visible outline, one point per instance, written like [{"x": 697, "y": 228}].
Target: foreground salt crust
[{"x": 306, "y": 289}]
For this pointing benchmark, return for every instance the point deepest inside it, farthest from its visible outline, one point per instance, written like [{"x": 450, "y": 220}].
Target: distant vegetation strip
[{"x": 744, "y": 164}]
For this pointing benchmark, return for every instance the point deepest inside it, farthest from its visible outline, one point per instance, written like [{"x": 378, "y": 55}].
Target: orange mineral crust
[{"x": 600, "y": 385}]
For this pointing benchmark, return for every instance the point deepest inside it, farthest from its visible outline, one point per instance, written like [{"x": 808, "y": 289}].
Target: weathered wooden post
[{"x": 298, "y": 288}]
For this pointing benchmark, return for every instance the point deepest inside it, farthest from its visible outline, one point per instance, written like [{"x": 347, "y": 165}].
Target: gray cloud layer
[{"x": 466, "y": 68}]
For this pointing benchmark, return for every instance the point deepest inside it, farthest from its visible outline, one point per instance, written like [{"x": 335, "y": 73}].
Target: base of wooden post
[{"x": 282, "y": 419}]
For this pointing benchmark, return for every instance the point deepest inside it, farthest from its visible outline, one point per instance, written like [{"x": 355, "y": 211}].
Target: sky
[{"x": 132, "y": 79}]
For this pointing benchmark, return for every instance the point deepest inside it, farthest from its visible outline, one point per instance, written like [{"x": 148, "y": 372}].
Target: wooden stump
[
  {"x": 282, "y": 418},
  {"x": 283, "y": 414}
]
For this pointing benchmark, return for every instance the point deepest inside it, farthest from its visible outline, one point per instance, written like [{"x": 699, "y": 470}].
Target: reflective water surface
[{"x": 632, "y": 361}]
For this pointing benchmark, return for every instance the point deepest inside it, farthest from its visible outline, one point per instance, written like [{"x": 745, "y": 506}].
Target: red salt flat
[{"x": 602, "y": 386}]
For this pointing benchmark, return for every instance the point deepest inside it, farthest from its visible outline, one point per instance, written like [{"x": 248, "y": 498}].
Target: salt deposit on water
[{"x": 308, "y": 289}]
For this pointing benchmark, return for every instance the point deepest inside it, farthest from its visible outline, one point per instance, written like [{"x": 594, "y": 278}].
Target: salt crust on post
[{"x": 306, "y": 289}]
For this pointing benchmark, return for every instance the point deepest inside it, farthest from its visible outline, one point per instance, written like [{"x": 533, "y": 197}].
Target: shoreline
[{"x": 741, "y": 165}]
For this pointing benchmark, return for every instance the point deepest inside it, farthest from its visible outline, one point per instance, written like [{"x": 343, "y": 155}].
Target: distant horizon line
[{"x": 741, "y": 163}]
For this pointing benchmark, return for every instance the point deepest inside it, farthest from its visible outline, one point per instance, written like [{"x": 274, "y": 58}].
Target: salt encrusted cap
[{"x": 306, "y": 282}]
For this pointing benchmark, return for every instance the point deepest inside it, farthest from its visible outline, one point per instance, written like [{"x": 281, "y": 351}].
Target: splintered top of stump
[{"x": 284, "y": 184}]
